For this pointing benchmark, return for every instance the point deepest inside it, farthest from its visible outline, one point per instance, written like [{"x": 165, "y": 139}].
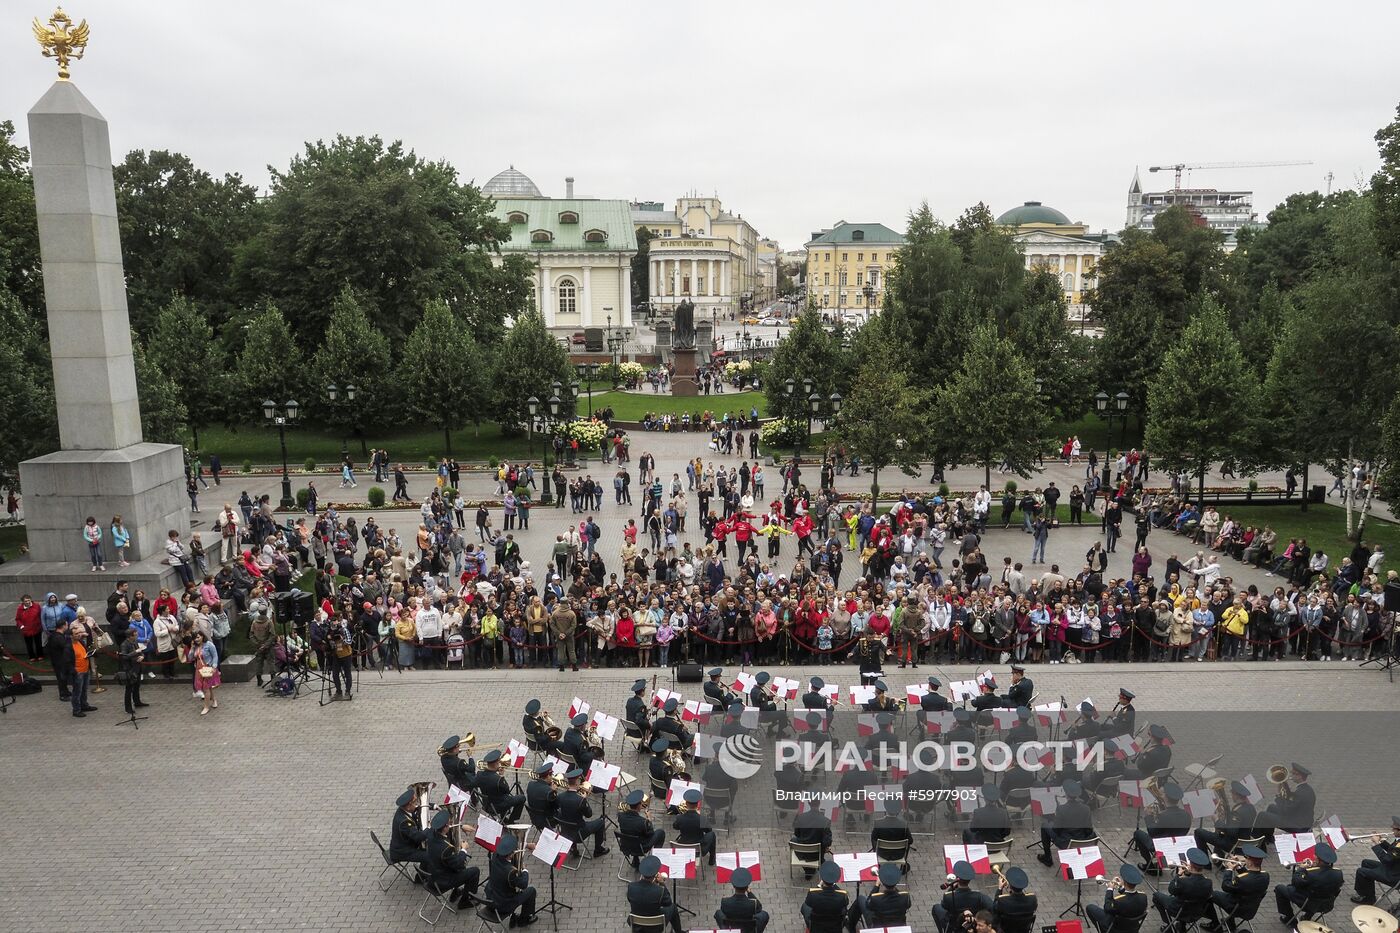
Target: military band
[
  {"x": 742, "y": 908},
  {"x": 1385, "y": 867},
  {"x": 959, "y": 896},
  {"x": 1295, "y": 802},
  {"x": 1316, "y": 881},
  {"x": 1124, "y": 906},
  {"x": 886, "y": 906}
]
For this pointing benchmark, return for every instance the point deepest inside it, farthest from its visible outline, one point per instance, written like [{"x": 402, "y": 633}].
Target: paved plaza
[{"x": 258, "y": 815}]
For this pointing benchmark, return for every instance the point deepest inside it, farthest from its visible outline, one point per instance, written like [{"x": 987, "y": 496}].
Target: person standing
[
  {"x": 92, "y": 534},
  {"x": 202, "y": 654},
  {"x": 60, "y": 654},
  {"x": 81, "y": 677},
  {"x": 228, "y": 534},
  {"x": 563, "y": 622},
  {"x": 27, "y": 620},
  {"x": 131, "y": 652},
  {"x": 1040, "y": 531}
]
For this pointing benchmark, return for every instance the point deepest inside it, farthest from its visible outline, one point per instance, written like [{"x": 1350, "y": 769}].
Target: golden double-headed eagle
[{"x": 61, "y": 39}]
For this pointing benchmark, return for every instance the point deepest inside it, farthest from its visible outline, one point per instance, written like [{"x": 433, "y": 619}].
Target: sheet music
[
  {"x": 861, "y": 695},
  {"x": 551, "y": 848},
  {"x": 1295, "y": 847},
  {"x": 727, "y": 862},
  {"x": 488, "y": 832},
  {"x": 1082, "y": 864},
  {"x": 856, "y": 866},
  {"x": 1334, "y": 832},
  {"x": 963, "y": 689},
  {"x": 578, "y": 706},
  {"x": 1172, "y": 849},
  {"x": 706, "y": 746},
  {"x": 974, "y": 855},
  {"x": 605, "y": 724},
  {"x": 678, "y": 862},
  {"x": 604, "y": 776},
  {"x": 1252, "y": 791},
  {"x": 1199, "y": 803},
  {"x": 517, "y": 751}
]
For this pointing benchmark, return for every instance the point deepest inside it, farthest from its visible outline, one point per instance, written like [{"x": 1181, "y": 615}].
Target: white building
[
  {"x": 700, "y": 253},
  {"x": 1226, "y": 211},
  {"x": 581, "y": 248}
]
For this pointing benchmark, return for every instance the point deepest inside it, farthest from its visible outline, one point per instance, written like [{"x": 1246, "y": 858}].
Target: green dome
[{"x": 1032, "y": 212}]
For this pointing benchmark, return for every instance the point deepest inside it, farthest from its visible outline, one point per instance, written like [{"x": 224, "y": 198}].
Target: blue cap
[
  {"x": 934, "y": 682},
  {"x": 1198, "y": 857},
  {"x": 660, "y": 743},
  {"x": 635, "y": 798},
  {"x": 452, "y": 741},
  {"x": 884, "y": 719},
  {"x": 1073, "y": 789},
  {"x": 579, "y": 721},
  {"x": 763, "y": 677},
  {"x": 650, "y": 866},
  {"x": 741, "y": 877},
  {"x": 573, "y": 774},
  {"x": 1174, "y": 792},
  {"x": 544, "y": 768},
  {"x": 890, "y": 874},
  {"x": 1252, "y": 852},
  {"x": 405, "y": 798},
  {"x": 716, "y": 671},
  {"x": 441, "y": 819},
  {"x": 532, "y": 707},
  {"x": 1130, "y": 873},
  {"x": 692, "y": 796},
  {"x": 493, "y": 756},
  {"x": 1325, "y": 853},
  {"x": 963, "y": 871},
  {"x": 638, "y": 686},
  {"x": 830, "y": 872},
  {"x": 880, "y": 686},
  {"x": 507, "y": 845},
  {"x": 818, "y": 683},
  {"x": 1016, "y": 877},
  {"x": 672, "y": 704},
  {"x": 990, "y": 793}
]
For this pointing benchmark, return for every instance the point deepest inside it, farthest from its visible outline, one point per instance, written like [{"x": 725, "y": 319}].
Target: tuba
[
  {"x": 1221, "y": 788},
  {"x": 1278, "y": 775}
]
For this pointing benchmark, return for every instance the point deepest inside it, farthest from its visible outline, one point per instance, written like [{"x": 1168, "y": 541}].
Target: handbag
[
  {"x": 205, "y": 672},
  {"x": 103, "y": 640}
]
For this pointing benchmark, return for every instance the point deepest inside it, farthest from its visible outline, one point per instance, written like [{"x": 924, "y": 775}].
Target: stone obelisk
[{"x": 103, "y": 467}]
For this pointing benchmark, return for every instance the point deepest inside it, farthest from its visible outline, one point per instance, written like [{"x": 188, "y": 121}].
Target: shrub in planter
[
  {"x": 310, "y": 464},
  {"x": 782, "y": 432},
  {"x": 943, "y": 490},
  {"x": 247, "y": 466},
  {"x": 375, "y": 496},
  {"x": 493, "y": 462},
  {"x": 1011, "y": 485},
  {"x": 1254, "y": 485},
  {"x": 432, "y": 463},
  {"x": 303, "y": 496}
]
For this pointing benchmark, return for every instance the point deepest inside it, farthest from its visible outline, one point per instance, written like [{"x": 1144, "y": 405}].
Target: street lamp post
[
  {"x": 869, "y": 298},
  {"x": 587, "y": 372},
  {"x": 615, "y": 342},
  {"x": 533, "y": 404},
  {"x": 1118, "y": 411},
  {"x": 332, "y": 393},
  {"x": 280, "y": 420}
]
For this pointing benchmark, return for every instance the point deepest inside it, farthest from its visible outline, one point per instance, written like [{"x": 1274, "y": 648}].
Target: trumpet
[
  {"x": 1234, "y": 862},
  {"x": 1002, "y": 884},
  {"x": 1115, "y": 883},
  {"x": 1278, "y": 774}
]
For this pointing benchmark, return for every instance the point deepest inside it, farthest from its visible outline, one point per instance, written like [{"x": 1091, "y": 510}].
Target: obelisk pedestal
[{"x": 103, "y": 468}]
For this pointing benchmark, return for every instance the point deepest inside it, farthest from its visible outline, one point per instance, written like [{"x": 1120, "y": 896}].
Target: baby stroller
[{"x": 455, "y": 652}]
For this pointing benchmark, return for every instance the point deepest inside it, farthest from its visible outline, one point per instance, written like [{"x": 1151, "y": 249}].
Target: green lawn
[
  {"x": 1093, "y": 434},
  {"x": 632, "y": 406},
  {"x": 260, "y": 445},
  {"x": 1323, "y": 525},
  {"x": 11, "y": 537}
]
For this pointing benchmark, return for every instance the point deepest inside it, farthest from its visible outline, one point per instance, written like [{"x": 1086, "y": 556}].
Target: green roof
[
  {"x": 614, "y": 218},
  {"x": 1032, "y": 212},
  {"x": 869, "y": 233}
]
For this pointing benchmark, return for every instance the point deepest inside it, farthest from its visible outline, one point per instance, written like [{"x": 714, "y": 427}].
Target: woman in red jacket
[{"x": 27, "y": 619}]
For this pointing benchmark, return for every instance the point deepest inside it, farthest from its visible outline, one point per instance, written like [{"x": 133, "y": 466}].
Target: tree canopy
[{"x": 441, "y": 377}]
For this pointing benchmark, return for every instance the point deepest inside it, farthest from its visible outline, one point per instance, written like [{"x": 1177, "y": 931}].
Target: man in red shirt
[
  {"x": 802, "y": 527},
  {"x": 82, "y": 674}
]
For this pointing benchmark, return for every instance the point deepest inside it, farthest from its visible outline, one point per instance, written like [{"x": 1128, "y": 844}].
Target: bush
[
  {"x": 375, "y": 497},
  {"x": 310, "y": 464},
  {"x": 247, "y": 466},
  {"x": 1254, "y": 485},
  {"x": 493, "y": 462},
  {"x": 782, "y": 432},
  {"x": 1011, "y": 486},
  {"x": 432, "y": 463},
  {"x": 943, "y": 490},
  {"x": 303, "y": 497}
]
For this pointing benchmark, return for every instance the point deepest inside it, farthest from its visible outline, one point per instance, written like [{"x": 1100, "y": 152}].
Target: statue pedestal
[{"x": 683, "y": 381}]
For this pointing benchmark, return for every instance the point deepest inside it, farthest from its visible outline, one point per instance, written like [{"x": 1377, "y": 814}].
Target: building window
[
  {"x": 859, "y": 278},
  {"x": 1068, "y": 279},
  {"x": 516, "y": 217},
  {"x": 843, "y": 298},
  {"x": 843, "y": 278},
  {"x": 860, "y": 257},
  {"x": 845, "y": 257},
  {"x": 874, "y": 257},
  {"x": 568, "y": 217},
  {"x": 541, "y": 236},
  {"x": 667, "y": 232},
  {"x": 857, "y": 234},
  {"x": 826, "y": 278},
  {"x": 875, "y": 277},
  {"x": 568, "y": 296},
  {"x": 596, "y": 236}
]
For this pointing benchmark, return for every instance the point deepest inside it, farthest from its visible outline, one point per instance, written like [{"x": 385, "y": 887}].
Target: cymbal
[
  {"x": 1368, "y": 918},
  {"x": 1312, "y": 926}
]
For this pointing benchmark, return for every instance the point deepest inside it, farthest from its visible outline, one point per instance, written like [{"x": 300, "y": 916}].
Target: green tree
[
  {"x": 20, "y": 273},
  {"x": 1203, "y": 403},
  {"x": 164, "y": 419},
  {"x": 808, "y": 351},
  {"x": 1385, "y": 189},
  {"x": 26, "y": 390},
  {"x": 1197, "y": 245},
  {"x": 268, "y": 367},
  {"x": 399, "y": 230},
  {"x": 924, "y": 297},
  {"x": 355, "y": 353},
  {"x": 180, "y": 228},
  {"x": 441, "y": 374},
  {"x": 883, "y": 421},
  {"x": 990, "y": 412},
  {"x": 641, "y": 263},
  {"x": 528, "y": 361},
  {"x": 182, "y": 343}
]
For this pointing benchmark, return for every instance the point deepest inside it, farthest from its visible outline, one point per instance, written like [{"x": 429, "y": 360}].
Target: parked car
[{"x": 577, "y": 338}]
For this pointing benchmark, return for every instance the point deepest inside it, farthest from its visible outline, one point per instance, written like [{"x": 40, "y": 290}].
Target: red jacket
[
  {"x": 28, "y": 619},
  {"x": 802, "y": 526}
]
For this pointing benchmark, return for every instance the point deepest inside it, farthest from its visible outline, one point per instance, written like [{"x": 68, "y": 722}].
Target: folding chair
[
  {"x": 640, "y": 923},
  {"x": 632, "y": 734},
  {"x": 1018, "y": 805},
  {"x": 1314, "y": 909},
  {"x": 432, "y": 892},
  {"x": 492, "y": 921},
  {"x": 630, "y": 853},
  {"x": 1237, "y": 920},
  {"x": 388, "y": 864},
  {"x": 804, "y": 855},
  {"x": 721, "y": 798},
  {"x": 570, "y": 831},
  {"x": 1186, "y": 918},
  {"x": 893, "y": 851},
  {"x": 999, "y": 853}
]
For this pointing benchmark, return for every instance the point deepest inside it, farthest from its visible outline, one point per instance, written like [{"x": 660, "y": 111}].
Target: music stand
[
  {"x": 1083, "y": 859},
  {"x": 1389, "y": 658},
  {"x": 551, "y": 838},
  {"x": 133, "y": 719},
  {"x": 692, "y": 860}
]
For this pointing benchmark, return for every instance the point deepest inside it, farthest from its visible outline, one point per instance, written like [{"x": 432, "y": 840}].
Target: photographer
[{"x": 340, "y": 653}]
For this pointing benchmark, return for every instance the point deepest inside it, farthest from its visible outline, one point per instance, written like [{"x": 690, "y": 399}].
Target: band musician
[
  {"x": 1242, "y": 889},
  {"x": 716, "y": 693},
  {"x": 460, "y": 774},
  {"x": 508, "y": 887},
  {"x": 824, "y": 908},
  {"x": 1234, "y": 820},
  {"x": 1316, "y": 879},
  {"x": 670, "y": 724},
  {"x": 541, "y": 797},
  {"x": 1385, "y": 867},
  {"x": 1294, "y": 804},
  {"x": 636, "y": 710},
  {"x": 447, "y": 863},
  {"x": 884, "y": 907},
  {"x": 1188, "y": 896},
  {"x": 741, "y": 908},
  {"x": 648, "y": 896},
  {"x": 407, "y": 840},
  {"x": 1021, "y": 691},
  {"x": 959, "y": 896},
  {"x": 1124, "y": 906},
  {"x": 494, "y": 793},
  {"x": 692, "y": 827},
  {"x": 634, "y": 823},
  {"x": 573, "y": 812},
  {"x": 1169, "y": 820},
  {"x": 1014, "y": 907}
]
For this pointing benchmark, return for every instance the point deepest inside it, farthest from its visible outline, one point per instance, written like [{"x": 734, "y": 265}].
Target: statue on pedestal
[{"x": 684, "y": 333}]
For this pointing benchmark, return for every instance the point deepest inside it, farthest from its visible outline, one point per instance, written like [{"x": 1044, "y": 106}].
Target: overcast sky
[{"x": 796, "y": 114}]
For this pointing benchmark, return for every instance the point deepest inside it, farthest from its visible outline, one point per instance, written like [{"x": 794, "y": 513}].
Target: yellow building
[
  {"x": 847, "y": 265},
  {"x": 1051, "y": 241},
  {"x": 701, "y": 252}
]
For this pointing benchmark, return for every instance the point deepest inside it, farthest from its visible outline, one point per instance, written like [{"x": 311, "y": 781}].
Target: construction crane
[{"x": 1179, "y": 167}]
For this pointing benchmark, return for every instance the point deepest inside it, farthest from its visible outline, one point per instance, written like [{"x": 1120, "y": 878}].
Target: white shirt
[{"x": 429, "y": 623}]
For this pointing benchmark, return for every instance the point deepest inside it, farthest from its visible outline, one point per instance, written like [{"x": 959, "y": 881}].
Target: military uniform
[
  {"x": 448, "y": 870},
  {"x": 990, "y": 823},
  {"x": 509, "y": 890},
  {"x": 1295, "y": 813},
  {"x": 1241, "y": 891},
  {"x": 671, "y": 726},
  {"x": 460, "y": 774},
  {"x": 740, "y": 908},
  {"x": 573, "y": 812},
  {"x": 955, "y": 902},
  {"x": 1015, "y": 910},
  {"x": 635, "y": 825},
  {"x": 648, "y": 897},
  {"x": 1188, "y": 896},
  {"x": 1071, "y": 820},
  {"x": 824, "y": 908},
  {"x": 887, "y": 907},
  {"x": 1319, "y": 883},
  {"x": 1172, "y": 821},
  {"x": 1019, "y": 693},
  {"x": 497, "y": 799},
  {"x": 692, "y": 828},
  {"x": 406, "y": 838},
  {"x": 1239, "y": 824},
  {"x": 718, "y": 694},
  {"x": 1122, "y": 911},
  {"x": 1385, "y": 868},
  {"x": 540, "y": 802}
]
